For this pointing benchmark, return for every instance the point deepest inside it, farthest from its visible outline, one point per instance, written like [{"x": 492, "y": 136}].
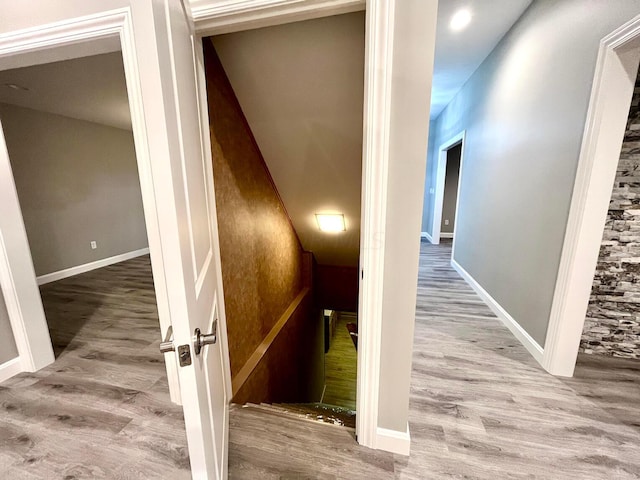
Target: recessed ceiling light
[
  {"x": 14, "y": 86},
  {"x": 460, "y": 20},
  {"x": 330, "y": 222}
]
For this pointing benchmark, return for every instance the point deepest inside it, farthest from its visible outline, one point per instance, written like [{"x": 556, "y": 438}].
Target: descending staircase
[{"x": 317, "y": 412}]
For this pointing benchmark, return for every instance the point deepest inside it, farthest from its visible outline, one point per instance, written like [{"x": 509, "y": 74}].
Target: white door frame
[
  {"x": 613, "y": 85},
  {"x": 216, "y": 17},
  {"x": 92, "y": 35},
  {"x": 213, "y": 17},
  {"x": 441, "y": 175}
]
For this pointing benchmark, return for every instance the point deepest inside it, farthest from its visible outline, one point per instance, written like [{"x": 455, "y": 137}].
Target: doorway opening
[
  {"x": 71, "y": 156},
  {"x": 287, "y": 156},
  {"x": 612, "y": 325},
  {"x": 447, "y": 194}
]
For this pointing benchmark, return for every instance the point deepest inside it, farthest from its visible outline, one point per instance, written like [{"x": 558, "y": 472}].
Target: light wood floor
[
  {"x": 481, "y": 408},
  {"x": 102, "y": 409},
  {"x": 341, "y": 368}
]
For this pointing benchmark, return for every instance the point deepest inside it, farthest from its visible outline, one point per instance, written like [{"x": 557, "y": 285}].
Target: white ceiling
[
  {"x": 88, "y": 88},
  {"x": 459, "y": 54},
  {"x": 300, "y": 86}
]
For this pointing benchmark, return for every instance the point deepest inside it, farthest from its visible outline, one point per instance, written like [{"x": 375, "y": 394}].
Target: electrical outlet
[
  {"x": 446, "y": 222},
  {"x": 431, "y": 190},
  {"x": 94, "y": 244}
]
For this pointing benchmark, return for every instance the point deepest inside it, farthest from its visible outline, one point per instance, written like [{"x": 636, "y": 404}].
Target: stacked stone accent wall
[{"x": 612, "y": 326}]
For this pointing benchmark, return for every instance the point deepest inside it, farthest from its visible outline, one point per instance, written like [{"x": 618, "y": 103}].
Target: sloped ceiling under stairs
[{"x": 300, "y": 86}]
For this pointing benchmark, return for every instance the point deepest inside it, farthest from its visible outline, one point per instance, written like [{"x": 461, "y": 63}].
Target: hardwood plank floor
[
  {"x": 102, "y": 409},
  {"x": 481, "y": 407},
  {"x": 341, "y": 367},
  {"x": 272, "y": 445}
]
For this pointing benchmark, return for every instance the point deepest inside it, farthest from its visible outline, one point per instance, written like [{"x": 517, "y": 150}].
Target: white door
[{"x": 182, "y": 180}]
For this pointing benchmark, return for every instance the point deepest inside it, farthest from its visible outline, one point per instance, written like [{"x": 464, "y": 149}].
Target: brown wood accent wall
[
  {"x": 337, "y": 287},
  {"x": 289, "y": 365},
  {"x": 260, "y": 252}
]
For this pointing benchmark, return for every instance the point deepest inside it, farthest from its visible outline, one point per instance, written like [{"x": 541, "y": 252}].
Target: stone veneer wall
[{"x": 612, "y": 326}]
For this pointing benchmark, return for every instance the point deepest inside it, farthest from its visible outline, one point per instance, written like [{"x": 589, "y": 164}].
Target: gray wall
[
  {"x": 77, "y": 181},
  {"x": 413, "y": 49},
  {"x": 450, "y": 189},
  {"x": 524, "y": 111},
  {"x": 8, "y": 348}
]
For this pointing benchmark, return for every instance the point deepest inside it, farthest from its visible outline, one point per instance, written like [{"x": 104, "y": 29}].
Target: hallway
[{"x": 481, "y": 406}]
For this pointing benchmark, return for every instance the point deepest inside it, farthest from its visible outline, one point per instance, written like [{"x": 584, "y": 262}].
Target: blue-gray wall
[{"x": 524, "y": 111}]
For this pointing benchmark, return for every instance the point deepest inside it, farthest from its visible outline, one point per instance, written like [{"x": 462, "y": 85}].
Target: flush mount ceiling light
[
  {"x": 330, "y": 222},
  {"x": 15, "y": 86},
  {"x": 460, "y": 20}
]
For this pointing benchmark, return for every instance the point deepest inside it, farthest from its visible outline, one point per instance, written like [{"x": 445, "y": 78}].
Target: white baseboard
[
  {"x": 10, "y": 368},
  {"x": 393, "y": 441},
  {"x": 529, "y": 343},
  {"x": 427, "y": 236},
  {"x": 87, "y": 267},
  {"x": 446, "y": 235}
]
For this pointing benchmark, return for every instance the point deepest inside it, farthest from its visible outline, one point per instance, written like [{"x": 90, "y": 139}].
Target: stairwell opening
[{"x": 285, "y": 109}]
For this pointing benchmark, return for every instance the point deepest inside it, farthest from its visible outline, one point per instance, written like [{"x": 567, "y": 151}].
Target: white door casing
[
  {"x": 441, "y": 174},
  {"x": 217, "y": 16}
]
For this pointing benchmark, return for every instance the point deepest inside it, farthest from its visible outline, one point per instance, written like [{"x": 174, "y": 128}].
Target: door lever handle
[
  {"x": 200, "y": 339},
  {"x": 167, "y": 345}
]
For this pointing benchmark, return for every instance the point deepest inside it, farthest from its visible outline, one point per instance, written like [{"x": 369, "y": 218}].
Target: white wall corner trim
[
  {"x": 613, "y": 84},
  {"x": 427, "y": 236},
  {"x": 87, "y": 267},
  {"x": 10, "y": 368},
  {"x": 394, "y": 441},
  {"x": 529, "y": 343}
]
